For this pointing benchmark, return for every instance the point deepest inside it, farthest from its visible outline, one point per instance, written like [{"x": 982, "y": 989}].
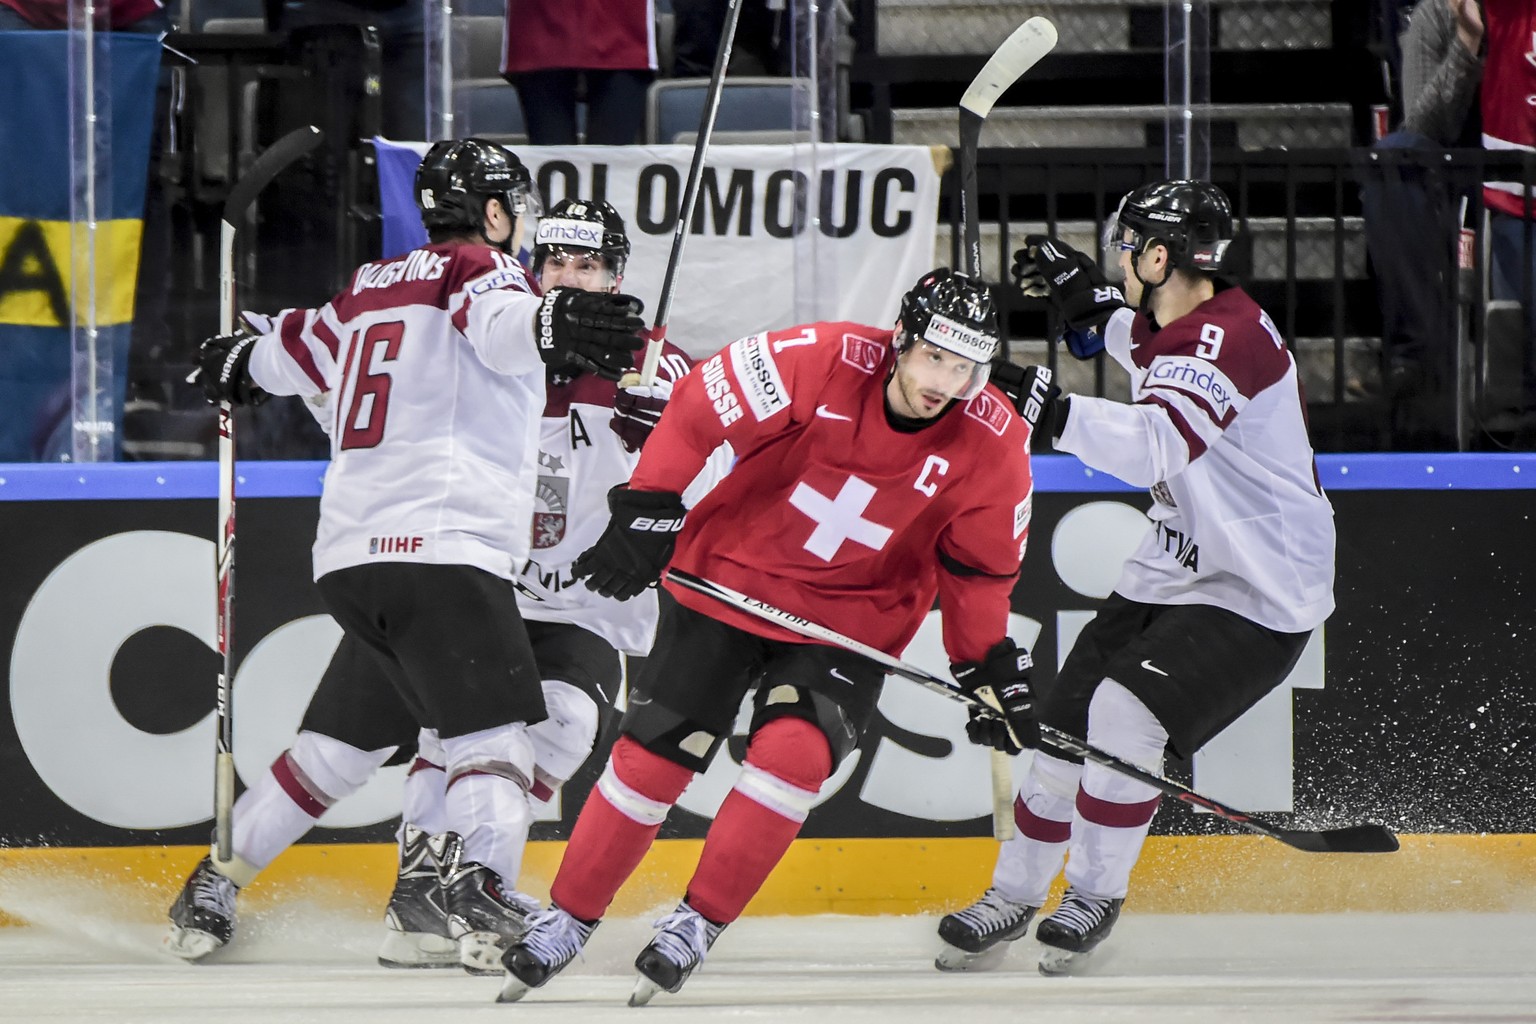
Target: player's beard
[{"x": 913, "y": 397}]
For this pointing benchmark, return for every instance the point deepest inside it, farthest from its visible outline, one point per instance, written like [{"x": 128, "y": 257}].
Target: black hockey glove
[
  {"x": 1070, "y": 280},
  {"x": 222, "y": 369},
  {"x": 596, "y": 331},
  {"x": 637, "y": 410},
  {"x": 637, "y": 544},
  {"x": 1034, "y": 394},
  {"x": 1006, "y": 671}
]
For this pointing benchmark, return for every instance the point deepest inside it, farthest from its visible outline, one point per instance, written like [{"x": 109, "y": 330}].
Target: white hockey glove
[{"x": 637, "y": 410}]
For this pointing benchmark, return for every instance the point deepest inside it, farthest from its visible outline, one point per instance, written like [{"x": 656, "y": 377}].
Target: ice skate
[
  {"x": 1074, "y": 929},
  {"x": 203, "y": 916},
  {"x": 977, "y": 937},
  {"x": 681, "y": 943},
  {"x": 416, "y": 921},
  {"x": 484, "y": 917},
  {"x": 553, "y": 939}
]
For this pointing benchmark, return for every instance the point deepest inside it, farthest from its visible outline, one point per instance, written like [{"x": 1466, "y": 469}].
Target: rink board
[
  {"x": 1414, "y": 709},
  {"x": 1176, "y": 875}
]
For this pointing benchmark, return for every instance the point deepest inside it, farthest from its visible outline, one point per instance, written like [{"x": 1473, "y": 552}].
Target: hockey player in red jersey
[
  {"x": 875, "y": 470},
  {"x": 589, "y": 441},
  {"x": 1213, "y": 609},
  {"x": 434, "y": 365}
]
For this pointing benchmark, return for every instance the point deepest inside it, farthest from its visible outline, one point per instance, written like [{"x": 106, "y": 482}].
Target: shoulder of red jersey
[
  {"x": 777, "y": 369},
  {"x": 991, "y": 414}
]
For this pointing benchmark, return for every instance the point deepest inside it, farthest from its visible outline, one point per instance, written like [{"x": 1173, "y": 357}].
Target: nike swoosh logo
[
  {"x": 838, "y": 675},
  {"x": 1153, "y": 668},
  {"x": 828, "y": 414}
]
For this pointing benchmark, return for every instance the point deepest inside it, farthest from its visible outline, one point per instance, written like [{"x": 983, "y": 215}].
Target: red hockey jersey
[
  {"x": 1509, "y": 92},
  {"x": 608, "y": 35},
  {"x": 832, "y": 513}
]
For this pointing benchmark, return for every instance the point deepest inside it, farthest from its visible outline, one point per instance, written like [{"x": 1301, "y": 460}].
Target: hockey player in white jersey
[
  {"x": 434, "y": 363},
  {"x": 1213, "y": 609},
  {"x": 590, "y": 438}
]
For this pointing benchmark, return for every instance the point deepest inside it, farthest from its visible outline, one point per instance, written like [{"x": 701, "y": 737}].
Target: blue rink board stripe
[{"x": 1053, "y": 473}]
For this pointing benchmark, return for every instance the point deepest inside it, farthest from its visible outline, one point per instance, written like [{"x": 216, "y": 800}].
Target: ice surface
[{"x": 299, "y": 963}]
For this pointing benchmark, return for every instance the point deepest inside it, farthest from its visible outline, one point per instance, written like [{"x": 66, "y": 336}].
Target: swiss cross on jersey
[{"x": 839, "y": 519}]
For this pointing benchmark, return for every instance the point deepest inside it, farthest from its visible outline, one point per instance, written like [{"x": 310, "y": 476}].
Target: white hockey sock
[
  {"x": 285, "y": 801},
  {"x": 1028, "y": 863},
  {"x": 1113, "y": 812},
  {"x": 489, "y": 774},
  {"x": 423, "y": 798}
]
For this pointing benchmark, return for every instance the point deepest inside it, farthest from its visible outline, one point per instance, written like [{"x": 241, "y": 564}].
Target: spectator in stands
[
  {"x": 757, "y": 50},
  {"x": 118, "y": 15},
  {"x": 1509, "y": 123},
  {"x": 1411, "y": 220},
  {"x": 552, "y": 47},
  {"x": 401, "y": 25}
]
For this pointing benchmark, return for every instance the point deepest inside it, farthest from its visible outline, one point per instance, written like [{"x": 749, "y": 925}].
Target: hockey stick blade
[
  {"x": 267, "y": 166},
  {"x": 1352, "y": 839},
  {"x": 1020, "y": 51}
]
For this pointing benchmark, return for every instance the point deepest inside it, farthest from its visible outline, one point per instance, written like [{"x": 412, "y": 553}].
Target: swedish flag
[{"x": 42, "y": 289}]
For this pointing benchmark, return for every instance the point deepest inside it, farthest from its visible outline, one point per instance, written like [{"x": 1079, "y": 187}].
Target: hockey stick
[
  {"x": 1353, "y": 839},
  {"x": 258, "y": 176},
  {"x": 1019, "y": 52},
  {"x": 658, "y": 333}
]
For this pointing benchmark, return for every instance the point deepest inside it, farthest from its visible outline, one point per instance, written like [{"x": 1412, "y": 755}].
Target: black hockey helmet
[
  {"x": 583, "y": 225},
  {"x": 1192, "y": 218},
  {"x": 955, "y": 313},
  {"x": 457, "y": 176}
]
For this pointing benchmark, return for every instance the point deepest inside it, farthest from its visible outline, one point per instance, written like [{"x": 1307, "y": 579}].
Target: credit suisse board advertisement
[{"x": 1413, "y": 707}]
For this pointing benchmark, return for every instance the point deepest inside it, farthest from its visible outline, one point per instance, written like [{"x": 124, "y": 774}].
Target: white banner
[{"x": 781, "y": 234}]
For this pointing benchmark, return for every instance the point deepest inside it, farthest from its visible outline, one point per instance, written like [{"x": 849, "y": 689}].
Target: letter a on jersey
[{"x": 839, "y": 519}]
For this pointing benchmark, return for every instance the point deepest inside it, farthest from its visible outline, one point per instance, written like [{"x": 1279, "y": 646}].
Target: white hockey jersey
[
  {"x": 580, "y": 459},
  {"x": 1217, "y": 429},
  {"x": 435, "y": 387}
]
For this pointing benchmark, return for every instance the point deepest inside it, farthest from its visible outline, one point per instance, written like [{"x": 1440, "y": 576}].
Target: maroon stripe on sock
[
  {"x": 1042, "y": 830},
  {"x": 541, "y": 790},
  {"x": 1113, "y": 815},
  {"x": 421, "y": 764},
  {"x": 283, "y": 772}
]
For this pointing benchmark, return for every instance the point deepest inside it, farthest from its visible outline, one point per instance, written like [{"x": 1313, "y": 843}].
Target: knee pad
[
  {"x": 787, "y": 761},
  {"x": 319, "y": 770},
  {"x": 430, "y": 749},
  {"x": 821, "y": 711},
  {"x": 1120, "y": 724},
  {"x": 641, "y": 784},
  {"x": 563, "y": 741},
  {"x": 504, "y": 751}
]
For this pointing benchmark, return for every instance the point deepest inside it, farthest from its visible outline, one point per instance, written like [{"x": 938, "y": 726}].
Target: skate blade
[
  {"x": 513, "y": 990},
  {"x": 413, "y": 950},
  {"x": 480, "y": 953},
  {"x": 951, "y": 958},
  {"x": 1055, "y": 963},
  {"x": 645, "y": 991},
  {"x": 189, "y": 944}
]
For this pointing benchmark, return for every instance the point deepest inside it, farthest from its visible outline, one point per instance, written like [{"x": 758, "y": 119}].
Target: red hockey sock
[
  {"x": 615, "y": 828},
  {"x": 787, "y": 761}
]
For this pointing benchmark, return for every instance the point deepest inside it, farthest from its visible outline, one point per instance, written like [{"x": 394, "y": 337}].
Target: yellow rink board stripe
[{"x": 1177, "y": 874}]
